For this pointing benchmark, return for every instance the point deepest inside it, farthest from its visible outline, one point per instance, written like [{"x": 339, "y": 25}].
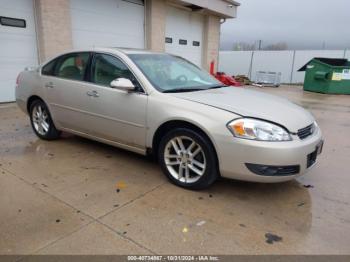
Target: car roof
[
  {"x": 112, "y": 50},
  {"x": 126, "y": 51}
]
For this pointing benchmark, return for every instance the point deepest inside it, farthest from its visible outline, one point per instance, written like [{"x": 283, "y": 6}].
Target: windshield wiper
[
  {"x": 217, "y": 86},
  {"x": 179, "y": 90}
]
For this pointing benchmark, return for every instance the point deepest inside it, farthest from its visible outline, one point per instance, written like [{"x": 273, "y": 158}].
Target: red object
[
  {"x": 78, "y": 62},
  {"x": 227, "y": 80},
  {"x": 223, "y": 78},
  {"x": 212, "y": 68}
]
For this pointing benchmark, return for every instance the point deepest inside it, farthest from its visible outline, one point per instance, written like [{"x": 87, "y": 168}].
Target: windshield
[{"x": 169, "y": 73}]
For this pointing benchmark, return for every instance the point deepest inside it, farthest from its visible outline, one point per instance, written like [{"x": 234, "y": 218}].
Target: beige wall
[
  {"x": 211, "y": 41},
  {"x": 155, "y": 25},
  {"x": 53, "y": 26}
]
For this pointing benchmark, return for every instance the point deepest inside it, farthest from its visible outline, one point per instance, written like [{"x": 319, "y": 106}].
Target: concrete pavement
[{"x": 75, "y": 196}]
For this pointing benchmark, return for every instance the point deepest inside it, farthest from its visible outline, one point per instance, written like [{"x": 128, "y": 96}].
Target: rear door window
[{"x": 73, "y": 66}]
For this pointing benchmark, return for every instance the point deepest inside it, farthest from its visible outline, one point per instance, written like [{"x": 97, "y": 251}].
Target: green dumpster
[{"x": 327, "y": 75}]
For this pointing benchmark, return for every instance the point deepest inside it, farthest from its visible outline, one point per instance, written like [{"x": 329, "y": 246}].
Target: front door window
[{"x": 108, "y": 68}]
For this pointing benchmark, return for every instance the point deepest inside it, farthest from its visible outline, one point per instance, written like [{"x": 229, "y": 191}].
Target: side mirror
[{"x": 123, "y": 84}]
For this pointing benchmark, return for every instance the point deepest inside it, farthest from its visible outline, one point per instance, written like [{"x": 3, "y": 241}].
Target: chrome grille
[{"x": 306, "y": 131}]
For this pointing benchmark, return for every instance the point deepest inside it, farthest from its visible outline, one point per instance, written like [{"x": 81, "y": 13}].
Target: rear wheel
[
  {"x": 41, "y": 121},
  {"x": 188, "y": 159}
]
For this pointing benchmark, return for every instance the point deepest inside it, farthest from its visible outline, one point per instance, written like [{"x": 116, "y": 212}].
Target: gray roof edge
[{"x": 235, "y": 3}]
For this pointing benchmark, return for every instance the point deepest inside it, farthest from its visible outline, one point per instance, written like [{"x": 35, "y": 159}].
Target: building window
[
  {"x": 136, "y": 2},
  {"x": 182, "y": 42},
  {"x": 168, "y": 40},
  {"x": 196, "y": 43},
  {"x": 14, "y": 22}
]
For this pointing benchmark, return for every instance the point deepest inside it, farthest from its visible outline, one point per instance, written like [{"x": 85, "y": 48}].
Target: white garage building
[{"x": 32, "y": 31}]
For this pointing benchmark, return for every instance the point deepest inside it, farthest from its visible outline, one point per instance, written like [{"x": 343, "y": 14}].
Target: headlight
[{"x": 254, "y": 129}]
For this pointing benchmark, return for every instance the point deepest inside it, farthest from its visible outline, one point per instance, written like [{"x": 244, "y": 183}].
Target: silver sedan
[{"x": 155, "y": 103}]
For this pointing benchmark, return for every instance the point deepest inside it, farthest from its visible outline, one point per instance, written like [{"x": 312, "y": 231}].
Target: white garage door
[
  {"x": 17, "y": 43},
  {"x": 107, "y": 23},
  {"x": 184, "y": 34}
]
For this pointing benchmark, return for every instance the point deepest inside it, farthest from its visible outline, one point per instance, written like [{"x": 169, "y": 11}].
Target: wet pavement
[{"x": 75, "y": 196}]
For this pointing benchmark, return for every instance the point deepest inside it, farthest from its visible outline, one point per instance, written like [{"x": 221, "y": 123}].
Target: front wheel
[
  {"x": 188, "y": 159},
  {"x": 41, "y": 121}
]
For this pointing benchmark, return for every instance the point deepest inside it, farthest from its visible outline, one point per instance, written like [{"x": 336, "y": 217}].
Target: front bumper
[{"x": 235, "y": 153}]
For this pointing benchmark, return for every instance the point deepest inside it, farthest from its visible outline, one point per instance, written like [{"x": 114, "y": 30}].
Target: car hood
[{"x": 249, "y": 103}]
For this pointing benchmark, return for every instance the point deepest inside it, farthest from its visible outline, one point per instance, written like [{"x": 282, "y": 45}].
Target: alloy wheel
[
  {"x": 185, "y": 159},
  {"x": 40, "y": 119}
]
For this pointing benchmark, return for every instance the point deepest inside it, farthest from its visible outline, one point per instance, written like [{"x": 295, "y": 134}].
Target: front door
[{"x": 120, "y": 116}]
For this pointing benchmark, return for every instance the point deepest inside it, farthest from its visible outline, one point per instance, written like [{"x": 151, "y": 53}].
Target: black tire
[
  {"x": 211, "y": 172},
  {"x": 52, "y": 133}
]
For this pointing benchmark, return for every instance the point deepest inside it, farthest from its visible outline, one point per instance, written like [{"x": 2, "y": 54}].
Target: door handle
[
  {"x": 49, "y": 85},
  {"x": 93, "y": 93}
]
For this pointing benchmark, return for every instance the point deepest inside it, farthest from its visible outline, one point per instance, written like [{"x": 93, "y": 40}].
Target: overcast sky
[{"x": 302, "y": 24}]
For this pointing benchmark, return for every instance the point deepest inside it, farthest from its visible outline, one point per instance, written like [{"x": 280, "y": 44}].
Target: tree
[
  {"x": 243, "y": 46},
  {"x": 277, "y": 46}
]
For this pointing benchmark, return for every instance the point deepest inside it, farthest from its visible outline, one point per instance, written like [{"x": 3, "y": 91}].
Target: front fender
[{"x": 163, "y": 109}]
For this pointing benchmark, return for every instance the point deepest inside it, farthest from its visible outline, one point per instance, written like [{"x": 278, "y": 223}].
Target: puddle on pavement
[{"x": 272, "y": 238}]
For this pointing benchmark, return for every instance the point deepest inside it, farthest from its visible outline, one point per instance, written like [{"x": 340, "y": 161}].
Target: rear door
[{"x": 67, "y": 92}]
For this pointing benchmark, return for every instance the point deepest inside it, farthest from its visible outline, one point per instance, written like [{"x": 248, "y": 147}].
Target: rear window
[{"x": 49, "y": 68}]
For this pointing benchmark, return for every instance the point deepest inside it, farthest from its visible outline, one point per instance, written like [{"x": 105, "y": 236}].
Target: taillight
[{"x": 17, "y": 80}]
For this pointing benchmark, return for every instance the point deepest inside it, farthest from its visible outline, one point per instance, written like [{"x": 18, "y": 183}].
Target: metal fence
[{"x": 287, "y": 62}]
